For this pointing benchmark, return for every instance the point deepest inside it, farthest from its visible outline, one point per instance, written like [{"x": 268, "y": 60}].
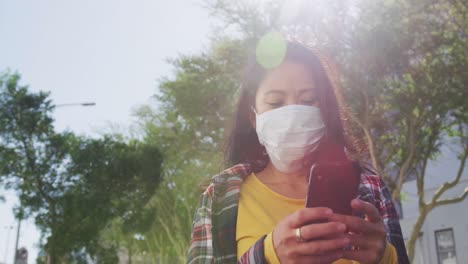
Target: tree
[
  {"x": 118, "y": 179},
  {"x": 408, "y": 92},
  {"x": 73, "y": 186}
]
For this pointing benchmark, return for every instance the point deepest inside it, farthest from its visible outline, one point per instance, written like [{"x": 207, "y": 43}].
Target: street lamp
[
  {"x": 8, "y": 228},
  {"x": 77, "y": 104}
]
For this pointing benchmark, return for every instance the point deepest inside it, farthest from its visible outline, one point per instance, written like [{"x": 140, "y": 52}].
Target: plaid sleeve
[
  {"x": 392, "y": 223},
  {"x": 201, "y": 243},
  {"x": 255, "y": 254}
]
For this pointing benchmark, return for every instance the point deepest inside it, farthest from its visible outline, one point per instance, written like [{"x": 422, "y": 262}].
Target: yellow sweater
[{"x": 260, "y": 209}]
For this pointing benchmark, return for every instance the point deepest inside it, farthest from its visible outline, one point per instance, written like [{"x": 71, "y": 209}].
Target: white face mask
[{"x": 289, "y": 133}]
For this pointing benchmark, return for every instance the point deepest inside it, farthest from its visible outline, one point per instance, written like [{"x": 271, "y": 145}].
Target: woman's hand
[
  {"x": 312, "y": 243},
  {"x": 367, "y": 236}
]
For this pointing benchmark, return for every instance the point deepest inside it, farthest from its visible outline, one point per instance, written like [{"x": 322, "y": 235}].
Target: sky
[{"x": 109, "y": 52}]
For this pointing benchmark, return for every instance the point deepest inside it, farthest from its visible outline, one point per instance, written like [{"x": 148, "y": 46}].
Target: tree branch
[
  {"x": 31, "y": 160},
  {"x": 452, "y": 200},
  {"x": 420, "y": 182},
  {"x": 409, "y": 158},
  {"x": 451, "y": 184},
  {"x": 373, "y": 155}
]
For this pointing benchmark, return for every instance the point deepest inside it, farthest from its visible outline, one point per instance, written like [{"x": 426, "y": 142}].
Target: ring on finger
[
  {"x": 298, "y": 234},
  {"x": 355, "y": 248}
]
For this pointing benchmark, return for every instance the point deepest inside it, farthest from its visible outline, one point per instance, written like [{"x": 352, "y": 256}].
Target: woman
[{"x": 254, "y": 212}]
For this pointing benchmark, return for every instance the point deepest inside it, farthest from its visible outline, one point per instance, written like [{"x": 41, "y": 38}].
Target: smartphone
[{"x": 333, "y": 182}]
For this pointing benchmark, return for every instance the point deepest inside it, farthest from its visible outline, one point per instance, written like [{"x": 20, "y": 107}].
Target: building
[{"x": 444, "y": 236}]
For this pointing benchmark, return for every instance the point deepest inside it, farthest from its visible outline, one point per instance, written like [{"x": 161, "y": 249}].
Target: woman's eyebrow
[
  {"x": 311, "y": 89},
  {"x": 275, "y": 92}
]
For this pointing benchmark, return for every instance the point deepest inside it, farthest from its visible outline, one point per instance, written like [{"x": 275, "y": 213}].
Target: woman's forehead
[{"x": 287, "y": 76}]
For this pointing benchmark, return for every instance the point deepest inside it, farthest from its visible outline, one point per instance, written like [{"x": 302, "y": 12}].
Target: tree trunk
[
  {"x": 53, "y": 241},
  {"x": 130, "y": 254},
  {"x": 410, "y": 245}
]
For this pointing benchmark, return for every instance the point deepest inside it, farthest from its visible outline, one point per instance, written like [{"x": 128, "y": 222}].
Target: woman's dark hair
[{"x": 242, "y": 144}]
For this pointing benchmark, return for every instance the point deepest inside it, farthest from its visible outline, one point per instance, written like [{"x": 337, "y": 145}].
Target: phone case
[{"x": 333, "y": 182}]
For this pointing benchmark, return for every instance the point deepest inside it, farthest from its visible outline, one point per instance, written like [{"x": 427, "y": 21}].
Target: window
[{"x": 445, "y": 244}]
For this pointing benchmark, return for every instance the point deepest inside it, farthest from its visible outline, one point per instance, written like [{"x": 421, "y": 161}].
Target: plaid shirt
[{"x": 214, "y": 226}]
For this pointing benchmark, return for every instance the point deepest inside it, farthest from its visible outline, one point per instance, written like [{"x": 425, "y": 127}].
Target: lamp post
[
  {"x": 77, "y": 104},
  {"x": 17, "y": 236},
  {"x": 8, "y": 228}
]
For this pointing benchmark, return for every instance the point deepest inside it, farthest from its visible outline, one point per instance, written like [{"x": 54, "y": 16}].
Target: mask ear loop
[
  {"x": 264, "y": 152},
  {"x": 253, "y": 110}
]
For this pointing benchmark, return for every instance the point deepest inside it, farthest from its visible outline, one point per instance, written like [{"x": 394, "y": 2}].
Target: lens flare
[{"x": 271, "y": 49}]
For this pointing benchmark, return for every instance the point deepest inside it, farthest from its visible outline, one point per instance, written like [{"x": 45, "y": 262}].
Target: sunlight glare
[{"x": 271, "y": 50}]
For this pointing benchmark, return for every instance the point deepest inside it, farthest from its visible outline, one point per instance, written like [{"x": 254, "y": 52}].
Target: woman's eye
[
  {"x": 274, "y": 105},
  {"x": 309, "y": 102}
]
